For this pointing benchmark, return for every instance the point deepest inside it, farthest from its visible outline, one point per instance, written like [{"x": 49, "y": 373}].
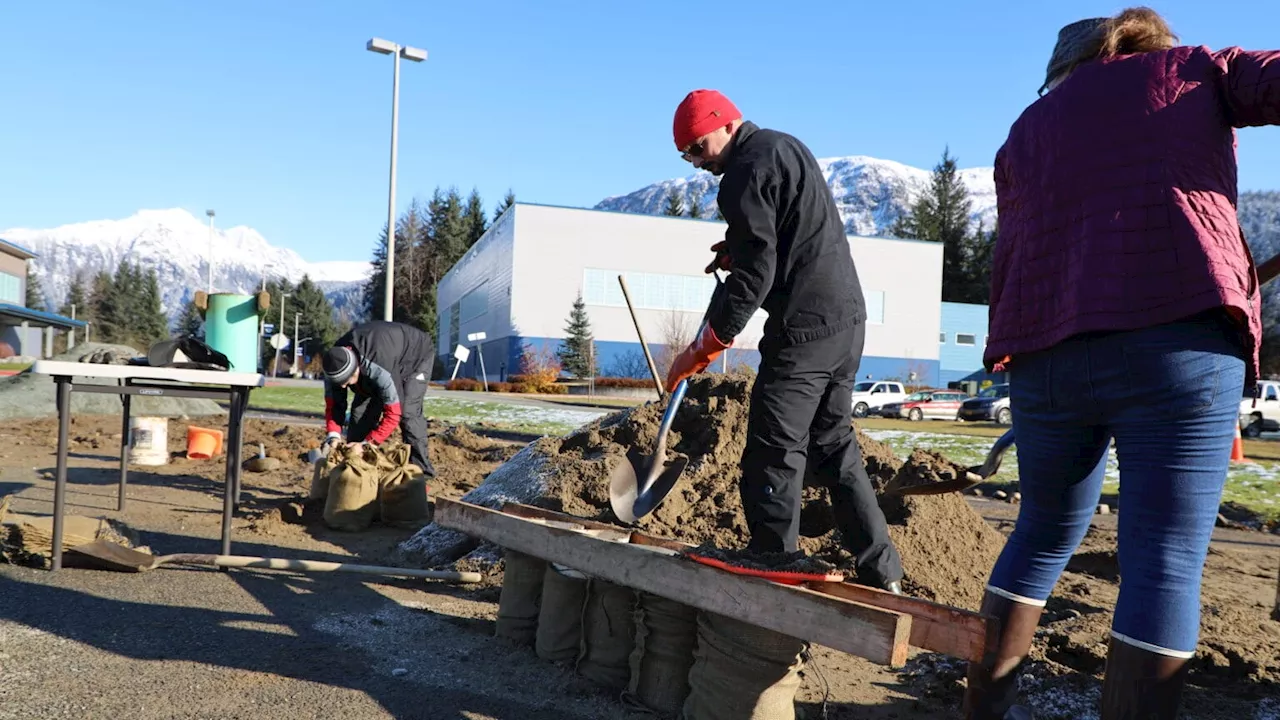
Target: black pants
[
  {"x": 366, "y": 413},
  {"x": 801, "y": 415}
]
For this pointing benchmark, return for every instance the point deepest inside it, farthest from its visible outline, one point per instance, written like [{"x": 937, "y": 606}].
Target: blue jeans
[{"x": 1169, "y": 396}]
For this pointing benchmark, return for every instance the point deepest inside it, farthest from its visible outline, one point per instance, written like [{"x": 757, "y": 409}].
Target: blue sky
[{"x": 274, "y": 114}]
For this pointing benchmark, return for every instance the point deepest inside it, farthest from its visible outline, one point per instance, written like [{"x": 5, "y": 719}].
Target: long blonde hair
[{"x": 1136, "y": 30}]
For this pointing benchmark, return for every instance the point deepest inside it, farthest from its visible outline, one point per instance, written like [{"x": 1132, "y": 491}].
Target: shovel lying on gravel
[{"x": 107, "y": 555}]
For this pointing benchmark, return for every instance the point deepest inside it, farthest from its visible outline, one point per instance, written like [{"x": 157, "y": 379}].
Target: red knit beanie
[{"x": 699, "y": 113}]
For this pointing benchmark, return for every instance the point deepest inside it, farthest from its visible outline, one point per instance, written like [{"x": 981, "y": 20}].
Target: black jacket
[
  {"x": 786, "y": 243},
  {"x": 402, "y": 349}
]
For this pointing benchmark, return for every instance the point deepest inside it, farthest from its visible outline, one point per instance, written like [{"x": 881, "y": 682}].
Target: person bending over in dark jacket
[
  {"x": 387, "y": 366},
  {"x": 786, "y": 251},
  {"x": 1125, "y": 306}
]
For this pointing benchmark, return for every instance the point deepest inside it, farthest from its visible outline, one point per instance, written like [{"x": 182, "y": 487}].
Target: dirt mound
[{"x": 946, "y": 547}]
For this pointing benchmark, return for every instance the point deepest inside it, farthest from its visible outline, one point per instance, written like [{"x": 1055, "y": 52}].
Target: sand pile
[{"x": 947, "y": 548}]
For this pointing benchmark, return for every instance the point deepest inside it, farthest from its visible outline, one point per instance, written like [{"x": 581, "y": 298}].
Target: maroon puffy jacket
[{"x": 1116, "y": 194}]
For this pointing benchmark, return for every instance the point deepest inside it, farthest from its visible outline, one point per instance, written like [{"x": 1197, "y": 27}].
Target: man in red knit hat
[{"x": 786, "y": 252}]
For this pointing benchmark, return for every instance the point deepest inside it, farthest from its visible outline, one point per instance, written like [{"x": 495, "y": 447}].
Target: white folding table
[{"x": 154, "y": 382}]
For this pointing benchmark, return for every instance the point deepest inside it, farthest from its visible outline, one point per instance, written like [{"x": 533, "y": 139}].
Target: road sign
[
  {"x": 279, "y": 341},
  {"x": 462, "y": 353},
  {"x": 268, "y": 328}
]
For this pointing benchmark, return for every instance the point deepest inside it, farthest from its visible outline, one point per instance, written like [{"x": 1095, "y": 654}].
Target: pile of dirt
[
  {"x": 29, "y": 395},
  {"x": 946, "y": 546}
]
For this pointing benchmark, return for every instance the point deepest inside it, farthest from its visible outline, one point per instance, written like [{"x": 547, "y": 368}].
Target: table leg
[
  {"x": 60, "y": 483},
  {"x": 124, "y": 449},
  {"x": 238, "y": 434},
  {"x": 232, "y": 491}
]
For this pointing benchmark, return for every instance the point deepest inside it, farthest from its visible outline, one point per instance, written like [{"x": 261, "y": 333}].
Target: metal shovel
[
  {"x": 640, "y": 484},
  {"x": 106, "y": 555},
  {"x": 975, "y": 474}
]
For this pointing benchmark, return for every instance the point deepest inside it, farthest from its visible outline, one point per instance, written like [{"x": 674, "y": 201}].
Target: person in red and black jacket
[{"x": 387, "y": 366}]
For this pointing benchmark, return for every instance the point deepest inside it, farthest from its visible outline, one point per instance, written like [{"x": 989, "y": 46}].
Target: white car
[
  {"x": 1254, "y": 419},
  {"x": 871, "y": 395}
]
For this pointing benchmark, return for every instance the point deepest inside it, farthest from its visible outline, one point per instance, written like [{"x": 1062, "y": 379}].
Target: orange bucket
[{"x": 203, "y": 443}]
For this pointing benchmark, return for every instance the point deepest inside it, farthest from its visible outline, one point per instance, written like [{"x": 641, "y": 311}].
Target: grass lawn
[
  {"x": 14, "y": 367},
  {"x": 459, "y": 410}
]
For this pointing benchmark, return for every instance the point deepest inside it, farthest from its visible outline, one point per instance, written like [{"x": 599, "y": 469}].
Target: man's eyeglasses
[{"x": 693, "y": 151}]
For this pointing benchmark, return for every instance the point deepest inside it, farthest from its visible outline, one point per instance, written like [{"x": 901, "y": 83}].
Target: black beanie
[{"x": 338, "y": 362}]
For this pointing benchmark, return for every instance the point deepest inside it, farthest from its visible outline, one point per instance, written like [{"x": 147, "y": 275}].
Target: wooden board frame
[{"x": 877, "y": 634}]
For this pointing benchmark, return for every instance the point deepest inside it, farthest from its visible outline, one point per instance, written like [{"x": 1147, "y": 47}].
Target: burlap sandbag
[
  {"x": 521, "y": 598},
  {"x": 665, "y": 633},
  {"x": 322, "y": 475},
  {"x": 559, "y": 632},
  {"x": 608, "y": 634},
  {"x": 353, "y": 489},
  {"x": 742, "y": 672},
  {"x": 402, "y": 493}
]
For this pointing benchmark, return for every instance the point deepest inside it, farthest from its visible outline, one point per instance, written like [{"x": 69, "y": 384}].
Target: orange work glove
[
  {"x": 701, "y": 352},
  {"x": 721, "y": 260}
]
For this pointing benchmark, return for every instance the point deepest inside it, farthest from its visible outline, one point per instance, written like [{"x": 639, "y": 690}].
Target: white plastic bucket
[{"x": 149, "y": 440}]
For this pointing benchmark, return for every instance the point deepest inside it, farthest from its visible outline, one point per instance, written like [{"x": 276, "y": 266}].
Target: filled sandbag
[
  {"x": 402, "y": 488},
  {"x": 322, "y": 475},
  {"x": 665, "y": 634},
  {"x": 521, "y": 598},
  {"x": 608, "y": 634},
  {"x": 352, "y": 502},
  {"x": 742, "y": 672},
  {"x": 559, "y": 633}
]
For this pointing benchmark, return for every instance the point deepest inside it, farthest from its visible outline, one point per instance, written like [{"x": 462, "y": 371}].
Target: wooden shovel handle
[
  {"x": 1268, "y": 270},
  {"x": 317, "y": 566}
]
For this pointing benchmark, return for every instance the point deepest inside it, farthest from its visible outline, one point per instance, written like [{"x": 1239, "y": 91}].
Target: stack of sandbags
[{"x": 361, "y": 483}]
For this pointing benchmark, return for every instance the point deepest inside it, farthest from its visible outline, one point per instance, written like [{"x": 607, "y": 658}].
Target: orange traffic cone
[{"x": 1237, "y": 448}]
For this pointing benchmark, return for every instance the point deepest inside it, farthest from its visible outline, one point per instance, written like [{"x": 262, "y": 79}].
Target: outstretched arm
[{"x": 1250, "y": 86}]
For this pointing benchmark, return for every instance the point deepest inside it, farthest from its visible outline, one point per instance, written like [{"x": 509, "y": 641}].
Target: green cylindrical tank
[{"x": 231, "y": 328}]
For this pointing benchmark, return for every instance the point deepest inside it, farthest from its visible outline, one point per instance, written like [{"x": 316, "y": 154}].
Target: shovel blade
[
  {"x": 629, "y": 497},
  {"x": 106, "y": 555}
]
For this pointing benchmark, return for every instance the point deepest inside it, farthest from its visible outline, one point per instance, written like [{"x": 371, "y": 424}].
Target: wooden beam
[
  {"x": 936, "y": 627},
  {"x": 876, "y": 634}
]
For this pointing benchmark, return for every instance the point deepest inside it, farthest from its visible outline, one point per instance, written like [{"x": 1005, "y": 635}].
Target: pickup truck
[
  {"x": 871, "y": 395},
  {"x": 1265, "y": 415}
]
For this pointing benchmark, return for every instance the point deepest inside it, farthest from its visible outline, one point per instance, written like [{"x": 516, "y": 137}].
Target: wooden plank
[
  {"x": 940, "y": 628},
  {"x": 877, "y": 634}
]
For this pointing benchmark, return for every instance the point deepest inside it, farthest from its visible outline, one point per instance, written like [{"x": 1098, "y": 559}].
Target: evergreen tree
[
  {"x": 190, "y": 321},
  {"x": 277, "y": 289},
  {"x": 576, "y": 351},
  {"x": 980, "y": 250},
  {"x": 35, "y": 293},
  {"x": 942, "y": 215},
  {"x": 473, "y": 218},
  {"x": 448, "y": 229},
  {"x": 77, "y": 301},
  {"x": 102, "y": 305},
  {"x": 675, "y": 204},
  {"x": 695, "y": 204},
  {"x": 316, "y": 320},
  {"x": 373, "y": 292},
  {"x": 507, "y": 202},
  {"x": 151, "y": 325}
]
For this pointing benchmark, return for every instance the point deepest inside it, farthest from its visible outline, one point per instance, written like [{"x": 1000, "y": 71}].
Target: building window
[
  {"x": 474, "y": 304},
  {"x": 875, "y": 306},
  {"x": 966, "y": 339},
  {"x": 649, "y": 291},
  {"x": 453, "y": 326},
  {"x": 11, "y": 289},
  {"x": 942, "y": 338}
]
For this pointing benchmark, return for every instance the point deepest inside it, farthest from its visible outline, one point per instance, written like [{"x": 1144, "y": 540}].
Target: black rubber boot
[
  {"x": 993, "y": 683},
  {"x": 1142, "y": 685}
]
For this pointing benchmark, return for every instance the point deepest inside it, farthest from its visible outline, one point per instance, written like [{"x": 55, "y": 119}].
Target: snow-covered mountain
[
  {"x": 871, "y": 193},
  {"x": 176, "y": 243}
]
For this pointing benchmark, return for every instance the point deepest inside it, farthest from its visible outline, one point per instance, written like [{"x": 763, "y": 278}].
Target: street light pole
[
  {"x": 387, "y": 47},
  {"x": 279, "y": 331},
  {"x": 209, "y": 278}
]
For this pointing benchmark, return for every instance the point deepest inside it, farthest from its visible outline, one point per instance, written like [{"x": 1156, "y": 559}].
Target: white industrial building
[{"x": 518, "y": 283}]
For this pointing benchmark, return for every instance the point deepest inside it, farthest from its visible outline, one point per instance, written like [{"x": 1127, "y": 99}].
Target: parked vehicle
[
  {"x": 870, "y": 395},
  {"x": 932, "y": 404},
  {"x": 991, "y": 404},
  {"x": 1265, "y": 414}
]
